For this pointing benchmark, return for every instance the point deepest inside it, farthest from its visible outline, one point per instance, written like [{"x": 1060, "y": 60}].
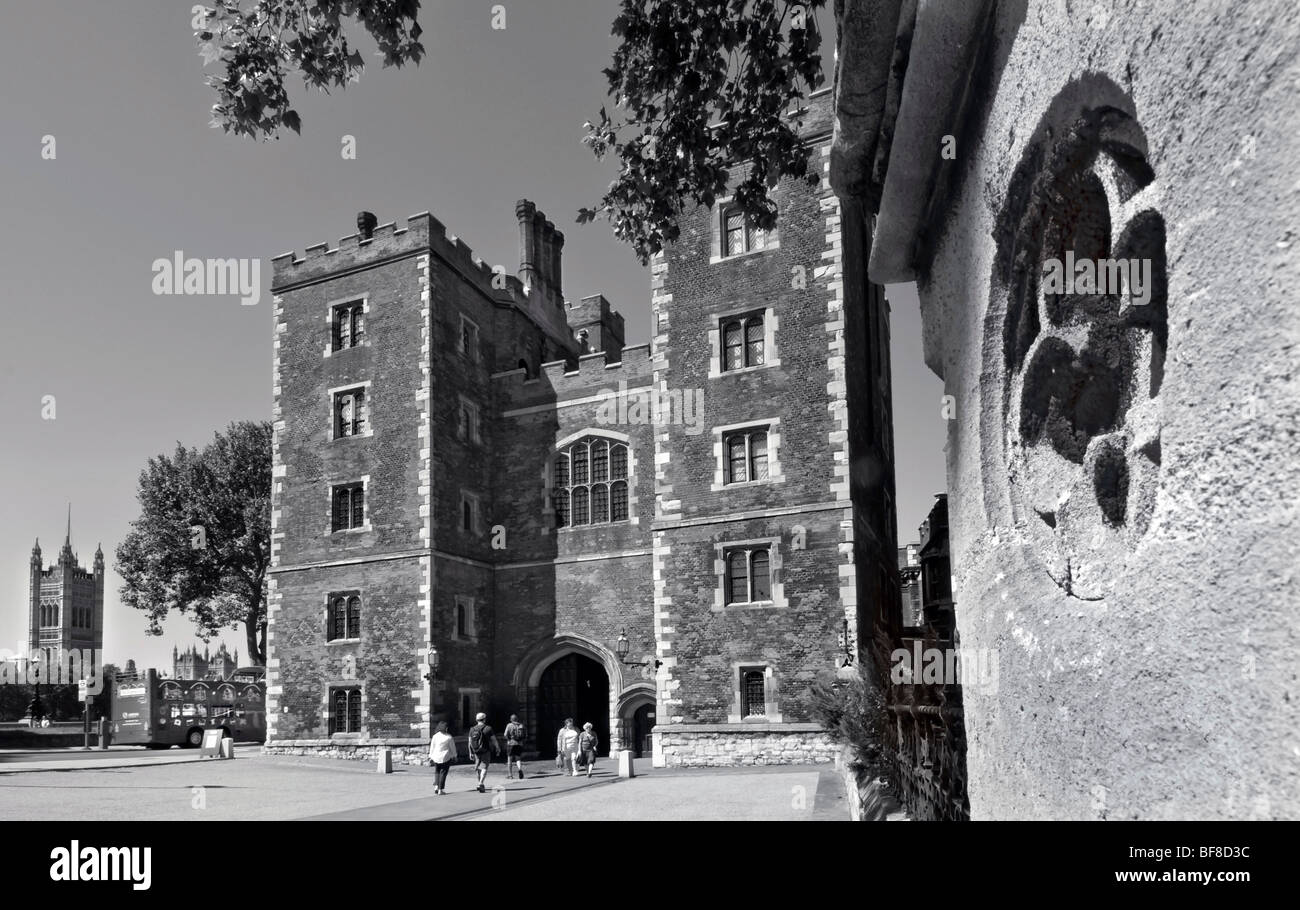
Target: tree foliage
[
  {"x": 202, "y": 543},
  {"x": 259, "y": 46},
  {"x": 697, "y": 88},
  {"x": 853, "y": 711}
]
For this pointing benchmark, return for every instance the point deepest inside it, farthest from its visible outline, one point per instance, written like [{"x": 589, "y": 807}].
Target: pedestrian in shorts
[
  {"x": 515, "y": 736},
  {"x": 483, "y": 745}
]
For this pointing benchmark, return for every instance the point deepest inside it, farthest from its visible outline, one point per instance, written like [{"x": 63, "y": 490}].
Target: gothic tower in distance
[{"x": 66, "y": 605}]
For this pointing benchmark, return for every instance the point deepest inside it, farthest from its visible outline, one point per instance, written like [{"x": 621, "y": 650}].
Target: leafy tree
[
  {"x": 701, "y": 86},
  {"x": 260, "y": 45},
  {"x": 697, "y": 85},
  {"x": 853, "y": 711},
  {"x": 201, "y": 545}
]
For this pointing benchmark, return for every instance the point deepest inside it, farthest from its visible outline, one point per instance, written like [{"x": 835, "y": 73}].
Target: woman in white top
[
  {"x": 442, "y": 752},
  {"x": 567, "y": 745}
]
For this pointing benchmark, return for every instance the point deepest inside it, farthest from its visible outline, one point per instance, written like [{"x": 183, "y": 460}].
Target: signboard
[
  {"x": 82, "y": 694},
  {"x": 211, "y": 747}
]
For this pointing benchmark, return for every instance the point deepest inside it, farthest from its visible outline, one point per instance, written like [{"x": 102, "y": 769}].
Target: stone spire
[{"x": 65, "y": 555}]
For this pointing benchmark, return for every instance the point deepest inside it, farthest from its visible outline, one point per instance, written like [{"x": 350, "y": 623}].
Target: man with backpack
[
  {"x": 515, "y": 736},
  {"x": 483, "y": 745}
]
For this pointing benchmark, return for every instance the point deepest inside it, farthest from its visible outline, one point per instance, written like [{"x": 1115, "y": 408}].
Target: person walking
[
  {"x": 588, "y": 743},
  {"x": 566, "y": 744},
  {"x": 515, "y": 736},
  {"x": 483, "y": 745},
  {"x": 442, "y": 752}
]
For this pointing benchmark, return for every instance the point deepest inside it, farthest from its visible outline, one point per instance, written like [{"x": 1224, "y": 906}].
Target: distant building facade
[
  {"x": 909, "y": 583},
  {"x": 484, "y": 500},
  {"x": 66, "y": 602},
  {"x": 190, "y": 664},
  {"x": 927, "y": 669}
]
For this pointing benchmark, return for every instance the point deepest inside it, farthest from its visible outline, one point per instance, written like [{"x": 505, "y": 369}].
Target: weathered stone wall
[
  {"x": 1121, "y": 474},
  {"x": 708, "y": 746}
]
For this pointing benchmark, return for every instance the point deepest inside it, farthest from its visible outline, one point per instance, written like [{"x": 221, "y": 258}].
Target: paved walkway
[
  {"x": 14, "y": 761},
  {"x": 462, "y": 798},
  {"x": 258, "y": 787},
  {"x": 777, "y": 793}
]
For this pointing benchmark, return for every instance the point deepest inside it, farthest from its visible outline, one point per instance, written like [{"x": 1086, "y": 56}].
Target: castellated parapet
[
  {"x": 422, "y": 232},
  {"x": 558, "y": 381}
]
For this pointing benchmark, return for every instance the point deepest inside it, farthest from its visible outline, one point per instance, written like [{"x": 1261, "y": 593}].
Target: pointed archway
[
  {"x": 572, "y": 687},
  {"x": 569, "y": 676}
]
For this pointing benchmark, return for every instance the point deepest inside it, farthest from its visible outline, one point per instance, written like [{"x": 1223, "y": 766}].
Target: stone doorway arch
[
  {"x": 543, "y": 678},
  {"x": 636, "y": 714}
]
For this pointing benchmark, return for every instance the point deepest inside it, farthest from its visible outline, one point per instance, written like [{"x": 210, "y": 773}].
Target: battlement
[
  {"x": 420, "y": 232},
  {"x": 818, "y": 112},
  {"x": 558, "y": 383},
  {"x": 78, "y": 573},
  {"x": 596, "y": 324}
]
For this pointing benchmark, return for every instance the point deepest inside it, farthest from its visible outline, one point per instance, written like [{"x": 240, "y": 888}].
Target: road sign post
[{"x": 83, "y": 693}]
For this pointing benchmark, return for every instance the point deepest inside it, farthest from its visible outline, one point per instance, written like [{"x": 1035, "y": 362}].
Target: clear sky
[{"x": 489, "y": 117}]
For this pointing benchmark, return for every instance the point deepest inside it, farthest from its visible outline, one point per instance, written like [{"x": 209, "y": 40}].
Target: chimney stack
[
  {"x": 540, "y": 247},
  {"x": 366, "y": 222},
  {"x": 557, "y": 247},
  {"x": 548, "y": 255},
  {"x": 524, "y": 212},
  {"x": 540, "y": 262}
]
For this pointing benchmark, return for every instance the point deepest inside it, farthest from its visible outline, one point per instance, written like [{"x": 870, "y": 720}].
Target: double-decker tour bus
[{"x": 160, "y": 713}]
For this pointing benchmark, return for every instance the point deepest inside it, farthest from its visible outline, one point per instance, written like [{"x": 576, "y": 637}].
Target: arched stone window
[{"x": 589, "y": 482}]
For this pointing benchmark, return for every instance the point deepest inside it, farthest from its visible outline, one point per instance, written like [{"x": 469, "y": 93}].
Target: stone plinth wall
[
  {"x": 402, "y": 754},
  {"x": 725, "y": 746}
]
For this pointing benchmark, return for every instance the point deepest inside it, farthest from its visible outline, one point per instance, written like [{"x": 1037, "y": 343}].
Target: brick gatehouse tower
[{"x": 674, "y": 537}]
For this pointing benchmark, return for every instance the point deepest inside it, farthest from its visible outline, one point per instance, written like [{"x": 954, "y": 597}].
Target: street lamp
[
  {"x": 622, "y": 649},
  {"x": 36, "y": 708},
  {"x": 848, "y": 650},
  {"x": 432, "y": 661}
]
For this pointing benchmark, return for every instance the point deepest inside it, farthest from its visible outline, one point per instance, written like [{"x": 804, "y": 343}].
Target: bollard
[
  {"x": 385, "y": 761},
  {"x": 227, "y": 748},
  {"x": 103, "y": 733},
  {"x": 625, "y": 764}
]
